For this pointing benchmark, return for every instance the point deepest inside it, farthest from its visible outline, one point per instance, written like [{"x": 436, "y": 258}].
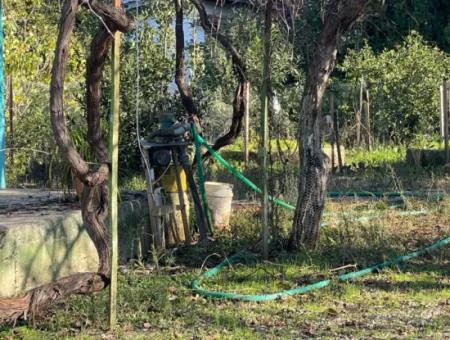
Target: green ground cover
[{"x": 411, "y": 300}]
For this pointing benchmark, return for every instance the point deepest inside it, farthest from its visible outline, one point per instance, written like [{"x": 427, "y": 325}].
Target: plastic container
[
  {"x": 169, "y": 180},
  {"x": 219, "y": 197}
]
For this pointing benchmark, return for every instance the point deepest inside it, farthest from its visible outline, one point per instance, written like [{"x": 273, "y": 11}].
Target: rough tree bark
[
  {"x": 240, "y": 95},
  {"x": 339, "y": 17},
  {"x": 94, "y": 198},
  {"x": 186, "y": 97}
]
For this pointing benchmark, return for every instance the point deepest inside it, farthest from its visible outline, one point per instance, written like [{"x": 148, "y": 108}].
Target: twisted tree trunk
[
  {"x": 186, "y": 98},
  {"x": 239, "y": 68},
  {"x": 94, "y": 204},
  {"x": 340, "y": 16}
]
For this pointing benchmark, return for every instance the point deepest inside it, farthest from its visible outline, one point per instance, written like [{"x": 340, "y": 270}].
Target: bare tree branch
[
  {"x": 186, "y": 97},
  {"x": 211, "y": 29},
  {"x": 240, "y": 101},
  {"x": 99, "y": 51},
  {"x": 38, "y": 299}
]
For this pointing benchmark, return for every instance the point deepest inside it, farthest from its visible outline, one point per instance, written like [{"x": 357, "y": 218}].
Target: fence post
[
  {"x": 445, "y": 118},
  {"x": 442, "y": 107},
  {"x": 335, "y": 117},
  {"x": 265, "y": 127},
  {"x": 333, "y": 134},
  {"x": 114, "y": 159},
  {"x": 367, "y": 123},
  {"x": 247, "y": 125},
  {"x": 359, "y": 112}
]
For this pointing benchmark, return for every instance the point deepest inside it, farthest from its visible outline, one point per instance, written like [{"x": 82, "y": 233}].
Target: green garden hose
[
  {"x": 364, "y": 219},
  {"x": 199, "y": 141},
  {"x": 369, "y": 194},
  {"x": 379, "y": 194},
  {"x": 238, "y": 258},
  {"x": 305, "y": 289},
  {"x": 201, "y": 177}
]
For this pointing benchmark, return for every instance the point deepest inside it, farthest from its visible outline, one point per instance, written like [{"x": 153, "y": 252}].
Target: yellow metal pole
[{"x": 114, "y": 159}]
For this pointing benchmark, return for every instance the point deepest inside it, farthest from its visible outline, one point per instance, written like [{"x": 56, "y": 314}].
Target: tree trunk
[
  {"x": 186, "y": 98},
  {"x": 247, "y": 126},
  {"x": 94, "y": 202},
  {"x": 240, "y": 70},
  {"x": 314, "y": 165},
  {"x": 340, "y": 15}
]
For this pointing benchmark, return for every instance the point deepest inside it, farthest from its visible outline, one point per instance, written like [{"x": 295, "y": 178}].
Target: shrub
[{"x": 404, "y": 86}]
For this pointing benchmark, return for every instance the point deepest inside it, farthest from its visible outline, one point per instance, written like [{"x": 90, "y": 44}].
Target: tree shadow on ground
[
  {"x": 216, "y": 252},
  {"x": 436, "y": 264},
  {"x": 407, "y": 286}
]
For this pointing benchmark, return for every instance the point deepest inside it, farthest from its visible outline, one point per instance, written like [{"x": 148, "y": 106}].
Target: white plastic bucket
[{"x": 219, "y": 197}]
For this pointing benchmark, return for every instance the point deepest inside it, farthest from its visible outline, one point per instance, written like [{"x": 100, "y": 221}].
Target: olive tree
[{"x": 338, "y": 17}]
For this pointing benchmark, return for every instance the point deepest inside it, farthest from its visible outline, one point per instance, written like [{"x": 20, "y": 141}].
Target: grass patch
[
  {"x": 410, "y": 300},
  {"x": 380, "y": 156}
]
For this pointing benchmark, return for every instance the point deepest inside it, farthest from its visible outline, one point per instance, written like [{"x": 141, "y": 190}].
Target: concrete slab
[{"x": 42, "y": 238}]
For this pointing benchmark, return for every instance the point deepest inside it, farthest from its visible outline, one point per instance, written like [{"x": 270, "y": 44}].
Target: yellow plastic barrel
[
  {"x": 174, "y": 225},
  {"x": 169, "y": 180}
]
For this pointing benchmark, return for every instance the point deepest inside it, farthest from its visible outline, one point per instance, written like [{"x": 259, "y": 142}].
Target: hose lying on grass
[{"x": 240, "y": 257}]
